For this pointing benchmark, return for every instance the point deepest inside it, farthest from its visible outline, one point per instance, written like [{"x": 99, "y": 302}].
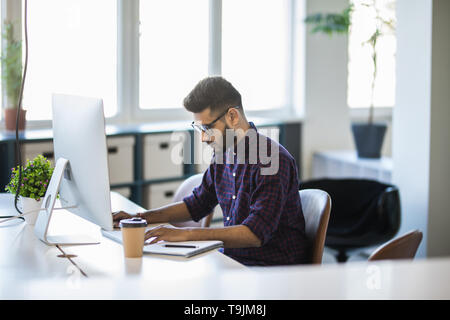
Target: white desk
[
  {"x": 23, "y": 256},
  {"x": 30, "y": 270},
  {"x": 401, "y": 280}
]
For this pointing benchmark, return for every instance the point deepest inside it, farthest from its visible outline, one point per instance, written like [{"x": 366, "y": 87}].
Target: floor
[{"x": 362, "y": 255}]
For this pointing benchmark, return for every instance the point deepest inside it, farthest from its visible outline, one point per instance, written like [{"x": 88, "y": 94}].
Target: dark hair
[{"x": 214, "y": 92}]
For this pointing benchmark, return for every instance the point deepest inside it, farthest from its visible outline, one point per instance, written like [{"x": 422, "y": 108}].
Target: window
[
  {"x": 72, "y": 50},
  {"x": 173, "y": 50},
  {"x": 177, "y": 47},
  {"x": 255, "y": 48},
  {"x": 363, "y": 25}
]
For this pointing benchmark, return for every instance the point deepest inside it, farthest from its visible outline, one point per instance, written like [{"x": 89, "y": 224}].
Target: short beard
[{"x": 225, "y": 143}]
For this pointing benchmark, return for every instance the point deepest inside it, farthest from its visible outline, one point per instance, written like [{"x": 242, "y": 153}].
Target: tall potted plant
[
  {"x": 368, "y": 136},
  {"x": 11, "y": 60}
]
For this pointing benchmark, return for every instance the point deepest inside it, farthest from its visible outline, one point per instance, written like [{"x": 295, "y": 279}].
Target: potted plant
[
  {"x": 36, "y": 176},
  {"x": 11, "y": 59},
  {"x": 368, "y": 136},
  {"x": 330, "y": 23}
]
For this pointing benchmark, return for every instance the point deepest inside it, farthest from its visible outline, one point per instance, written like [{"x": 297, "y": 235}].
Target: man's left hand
[{"x": 167, "y": 233}]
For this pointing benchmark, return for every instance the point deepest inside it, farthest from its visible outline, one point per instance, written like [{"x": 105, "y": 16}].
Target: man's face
[{"x": 215, "y": 137}]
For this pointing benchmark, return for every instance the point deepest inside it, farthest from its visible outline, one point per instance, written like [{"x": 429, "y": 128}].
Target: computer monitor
[{"x": 81, "y": 174}]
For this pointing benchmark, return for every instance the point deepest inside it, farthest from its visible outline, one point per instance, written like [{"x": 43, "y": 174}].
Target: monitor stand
[{"x": 43, "y": 221}]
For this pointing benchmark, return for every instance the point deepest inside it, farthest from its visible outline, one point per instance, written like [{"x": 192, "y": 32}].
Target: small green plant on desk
[{"x": 36, "y": 175}]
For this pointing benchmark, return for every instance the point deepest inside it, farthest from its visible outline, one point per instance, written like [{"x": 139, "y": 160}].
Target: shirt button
[
  {"x": 234, "y": 197},
  {"x": 228, "y": 218},
  {"x": 234, "y": 174}
]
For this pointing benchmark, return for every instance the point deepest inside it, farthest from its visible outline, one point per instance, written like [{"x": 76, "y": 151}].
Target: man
[{"x": 263, "y": 219}]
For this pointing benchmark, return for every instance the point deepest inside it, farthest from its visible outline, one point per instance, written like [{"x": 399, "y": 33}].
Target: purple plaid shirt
[{"x": 268, "y": 204}]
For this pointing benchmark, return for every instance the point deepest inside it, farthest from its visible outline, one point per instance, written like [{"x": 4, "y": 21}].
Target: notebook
[{"x": 182, "y": 249}]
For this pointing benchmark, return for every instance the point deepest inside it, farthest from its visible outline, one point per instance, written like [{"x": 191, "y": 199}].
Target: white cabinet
[
  {"x": 120, "y": 156},
  {"x": 31, "y": 150},
  {"x": 120, "y": 159},
  {"x": 345, "y": 164},
  {"x": 160, "y": 194},
  {"x": 163, "y": 155}
]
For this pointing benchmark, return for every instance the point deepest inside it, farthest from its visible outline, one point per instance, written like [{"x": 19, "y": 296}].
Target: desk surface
[
  {"x": 424, "y": 279},
  {"x": 23, "y": 256},
  {"x": 31, "y": 270}
]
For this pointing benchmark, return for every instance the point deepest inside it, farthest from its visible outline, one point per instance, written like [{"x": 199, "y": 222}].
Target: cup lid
[{"x": 133, "y": 223}]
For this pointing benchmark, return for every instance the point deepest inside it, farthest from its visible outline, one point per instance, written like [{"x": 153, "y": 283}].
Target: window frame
[{"x": 128, "y": 111}]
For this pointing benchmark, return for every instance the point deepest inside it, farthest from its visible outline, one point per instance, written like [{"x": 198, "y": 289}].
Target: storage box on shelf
[
  {"x": 120, "y": 156},
  {"x": 163, "y": 155},
  {"x": 160, "y": 194},
  {"x": 31, "y": 150},
  {"x": 120, "y": 159}
]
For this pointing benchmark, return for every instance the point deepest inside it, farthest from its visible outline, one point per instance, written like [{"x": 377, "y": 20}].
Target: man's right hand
[
  {"x": 175, "y": 212},
  {"x": 120, "y": 215}
]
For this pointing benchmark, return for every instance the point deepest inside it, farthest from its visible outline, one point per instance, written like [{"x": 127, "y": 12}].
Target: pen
[{"x": 179, "y": 246}]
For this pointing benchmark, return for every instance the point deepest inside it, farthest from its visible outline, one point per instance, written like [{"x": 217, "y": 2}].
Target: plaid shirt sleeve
[
  {"x": 266, "y": 204},
  {"x": 203, "y": 198}
]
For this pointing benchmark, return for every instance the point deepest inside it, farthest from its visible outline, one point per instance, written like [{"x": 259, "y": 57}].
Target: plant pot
[
  {"x": 369, "y": 139},
  {"x": 27, "y": 205},
  {"x": 10, "y": 119}
]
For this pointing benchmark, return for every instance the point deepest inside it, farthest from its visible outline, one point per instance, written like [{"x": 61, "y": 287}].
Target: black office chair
[{"x": 365, "y": 213}]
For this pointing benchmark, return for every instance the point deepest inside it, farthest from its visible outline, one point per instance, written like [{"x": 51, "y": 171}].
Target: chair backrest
[
  {"x": 403, "y": 247},
  {"x": 184, "y": 190},
  {"x": 360, "y": 206},
  {"x": 316, "y": 207}
]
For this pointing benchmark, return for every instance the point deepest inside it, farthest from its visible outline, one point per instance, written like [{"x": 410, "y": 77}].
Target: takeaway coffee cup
[{"x": 133, "y": 234}]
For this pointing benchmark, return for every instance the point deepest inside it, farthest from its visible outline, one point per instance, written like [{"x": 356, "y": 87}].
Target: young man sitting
[{"x": 251, "y": 177}]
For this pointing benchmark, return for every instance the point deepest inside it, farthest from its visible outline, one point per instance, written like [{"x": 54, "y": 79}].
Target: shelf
[
  {"x": 346, "y": 164},
  {"x": 289, "y": 136}
]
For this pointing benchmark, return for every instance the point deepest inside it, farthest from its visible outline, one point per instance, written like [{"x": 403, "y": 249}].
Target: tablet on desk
[{"x": 182, "y": 249}]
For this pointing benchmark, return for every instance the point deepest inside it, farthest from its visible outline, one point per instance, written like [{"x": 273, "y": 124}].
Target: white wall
[
  {"x": 327, "y": 117},
  {"x": 420, "y": 119},
  {"x": 439, "y": 200},
  {"x": 421, "y": 147},
  {"x": 411, "y": 117}
]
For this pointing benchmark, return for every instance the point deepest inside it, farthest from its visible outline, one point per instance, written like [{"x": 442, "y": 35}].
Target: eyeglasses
[{"x": 206, "y": 127}]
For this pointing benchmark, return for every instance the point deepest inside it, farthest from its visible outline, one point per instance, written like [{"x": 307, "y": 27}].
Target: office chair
[
  {"x": 403, "y": 247},
  {"x": 184, "y": 190},
  {"x": 316, "y": 207},
  {"x": 365, "y": 213}
]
